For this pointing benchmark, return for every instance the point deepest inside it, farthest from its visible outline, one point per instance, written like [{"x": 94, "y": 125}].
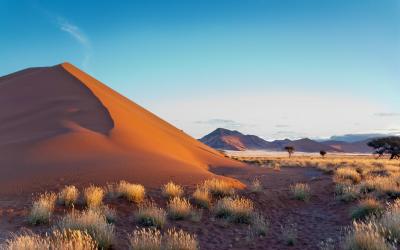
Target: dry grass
[
  {"x": 179, "y": 240},
  {"x": 346, "y": 193},
  {"x": 383, "y": 185},
  {"x": 150, "y": 215},
  {"x": 145, "y": 239},
  {"x": 201, "y": 197},
  {"x": 60, "y": 240},
  {"x": 132, "y": 192},
  {"x": 256, "y": 186},
  {"x": 365, "y": 236},
  {"x": 68, "y": 195},
  {"x": 93, "y": 222},
  {"x": 301, "y": 191},
  {"x": 344, "y": 174},
  {"x": 219, "y": 188},
  {"x": 42, "y": 208},
  {"x": 367, "y": 207},
  {"x": 289, "y": 233},
  {"x": 93, "y": 196},
  {"x": 259, "y": 225},
  {"x": 235, "y": 209},
  {"x": 390, "y": 221},
  {"x": 171, "y": 190},
  {"x": 179, "y": 208}
]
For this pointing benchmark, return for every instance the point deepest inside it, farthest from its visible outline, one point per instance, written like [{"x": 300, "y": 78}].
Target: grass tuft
[
  {"x": 180, "y": 240},
  {"x": 68, "y": 195},
  {"x": 93, "y": 196},
  {"x": 219, "y": 188},
  {"x": 366, "y": 208},
  {"x": 171, "y": 190},
  {"x": 301, "y": 191},
  {"x": 239, "y": 210},
  {"x": 179, "y": 208},
  {"x": 145, "y": 239},
  {"x": 42, "y": 209},
  {"x": 132, "y": 192},
  {"x": 149, "y": 215},
  {"x": 201, "y": 197}
]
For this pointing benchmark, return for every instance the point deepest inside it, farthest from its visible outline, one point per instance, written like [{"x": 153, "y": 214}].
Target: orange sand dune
[{"x": 59, "y": 125}]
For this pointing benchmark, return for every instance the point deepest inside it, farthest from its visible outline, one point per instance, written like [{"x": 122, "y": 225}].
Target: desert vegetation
[
  {"x": 68, "y": 195},
  {"x": 42, "y": 208},
  {"x": 149, "y": 215},
  {"x": 171, "y": 190},
  {"x": 132, "y": 192},
  {"x": 300, "y": 191},
  {"x": 93, "y": 196}
]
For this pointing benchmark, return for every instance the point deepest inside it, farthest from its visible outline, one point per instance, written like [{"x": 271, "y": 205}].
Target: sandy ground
[{"x": 318, "y": 219}]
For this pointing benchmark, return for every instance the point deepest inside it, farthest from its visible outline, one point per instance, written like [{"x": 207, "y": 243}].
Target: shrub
[
  {"x": 347, "y": 174},
  {"x": 132, "y": 192},
  {"x": 171, "y": 190},
  {"x": 259, "y": 225},
  {"x": 218, "y": 187},
  {"x": 179, "y": 208},
  {"x": 365, "y": 208},
  {"x": 235, "y": 209},
  {"x": 346, "y": 193},
  {"x": 365, "y": 236},
  {"x": 180, "y": 240},
  {"x": 109, "y": 213},
  {"x": 93, "y": 196},
  {"x": 289, "y": 233},
  {"x": 93, "y": 222},
  {"x": 68, "y": 195},
  {"x": 145, "y": 239},
  {"x": 201, "y": 197},
  {"x": 256, "y": 186},
  {"x": 301, "y": 191},
  {"x": 150, "y": 215},
  {"x": 42, "y": 208},
  {"x": 63, "y": 240}
]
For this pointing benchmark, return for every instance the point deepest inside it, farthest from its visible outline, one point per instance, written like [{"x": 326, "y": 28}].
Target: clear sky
[{"x": 274, "y": 68}]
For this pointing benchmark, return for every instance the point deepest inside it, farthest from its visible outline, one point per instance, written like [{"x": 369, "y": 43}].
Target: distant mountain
[
  {"x": 355, "y": 137},
  {"x": 234, "y": 140},
  {"x": 350, "y": 147}
]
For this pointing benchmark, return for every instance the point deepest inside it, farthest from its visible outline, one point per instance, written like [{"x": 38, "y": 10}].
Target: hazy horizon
[{"x": 276, "y": 69}]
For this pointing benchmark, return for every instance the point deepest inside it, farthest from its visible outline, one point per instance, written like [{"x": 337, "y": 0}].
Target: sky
[{"x": 273, "y": 68}]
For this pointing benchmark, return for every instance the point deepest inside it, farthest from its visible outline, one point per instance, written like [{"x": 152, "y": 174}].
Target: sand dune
[{"x": 59, "y": 125}]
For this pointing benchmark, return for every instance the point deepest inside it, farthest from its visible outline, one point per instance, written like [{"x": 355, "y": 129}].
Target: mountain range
[{"x": 226, "y": 139}]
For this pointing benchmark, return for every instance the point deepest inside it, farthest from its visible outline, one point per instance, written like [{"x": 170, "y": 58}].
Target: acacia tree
[
  {"x": 386, "y": 145},
  {"x": 290, "y": 150},
  {"x": 322, "y": 153}
]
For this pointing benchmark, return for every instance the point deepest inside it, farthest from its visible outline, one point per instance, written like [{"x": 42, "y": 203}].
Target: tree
[
  {"x": 322, "y": 153},
  {"x": 290, "y": 150},
  {"x": 386, "y": 145}
]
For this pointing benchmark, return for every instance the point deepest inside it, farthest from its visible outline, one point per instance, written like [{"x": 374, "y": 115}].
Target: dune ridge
[{"x": 67, "y": 127}]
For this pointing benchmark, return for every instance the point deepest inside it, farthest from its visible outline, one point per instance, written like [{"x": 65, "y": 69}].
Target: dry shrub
[
  {"x": 171, "y": 190},
  {"x": 343, "y": 174},
  {"x": 42, "y": 208},
  {"x": 366, "y": 208},
  {"x": 179, "y": 208},
  {"x": 346, "y": 193},
  {"x": 259, "y": 225},
  {"x": 219, "y": 188},
  {"x": 150, "y": 215},
  {"x": 365, "y": 236},
  {"x": 60, "y": 240},
  {"x": 390, "y": 221},
  {"x": 301, "y": 191},
  {"x": 256, "y": 186},
  {"x": 132, "y": 192},
  {"x": 179, "y": 240},
  {"x": 93, "y": 196},
  {"x": 68, "y": 195},
  {"x": 93, "y": 222},
  {"x": 383, "y": 185},
  {"x": 235, "y": 209},
  {"x": 201, "y": 197},
  {"x": 109, "y": 213},
  {"x": 145, "y": 239},
  {"x": 289, "y": 233}
]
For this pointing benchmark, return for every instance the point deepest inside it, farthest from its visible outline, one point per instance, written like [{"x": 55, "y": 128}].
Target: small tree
[
  {"x": 322, "y": 153},
  {"x": 386, "y": 145},
  {"x": 290, "y": 150}
]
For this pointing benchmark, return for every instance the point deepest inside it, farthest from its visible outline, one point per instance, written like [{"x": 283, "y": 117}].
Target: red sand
[{"x": 59, "y": 125}]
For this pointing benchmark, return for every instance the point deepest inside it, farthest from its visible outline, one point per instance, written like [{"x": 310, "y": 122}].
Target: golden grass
[
  {"x": 366, "y": 207},
  {"x": 180, "y": 240},
  {"x": 93, "y": 196},
  {"x": 344, "y": 173},
  {"x": 365, "y": 236},
  {"x": 202, "y": 197},
  {"x": 145, "y": 239},
  {"x": 390, "y": 221},
  {"x": 179, "y": 208},
  {"x": 256, "y": 186},
  {"x": 171, "y": 190},
  {"x": 42, "y": 208},
  {"x": 132, "y": 192},
  {"x": 346, "y": 193},
  {"x": 301, "y": 191},
  {"x": 383, "y": 185},
  {"x": 60, "y": 240},
  {"x": 93, "y": 222},
  {"x": 68, "y": 195},
  {"x": 219, "y": 188},
  {"x": 235, "y": 209},
  {"x": 150, "y": 215}
]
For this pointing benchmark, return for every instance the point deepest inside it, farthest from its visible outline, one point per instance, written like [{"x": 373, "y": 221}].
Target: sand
[{"x": 58, "y": 126}]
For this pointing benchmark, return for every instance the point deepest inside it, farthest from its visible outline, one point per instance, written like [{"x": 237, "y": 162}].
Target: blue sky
[{"x": 275, "y": 68}]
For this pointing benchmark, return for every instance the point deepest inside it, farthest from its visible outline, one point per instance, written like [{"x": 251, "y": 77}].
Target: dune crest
[{"x": 65, "y": 126}]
